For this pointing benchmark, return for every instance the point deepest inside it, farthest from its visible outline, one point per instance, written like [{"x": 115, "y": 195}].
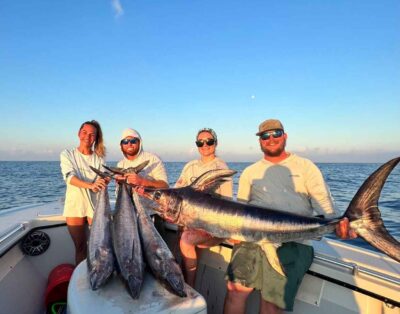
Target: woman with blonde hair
[
  {"x": 82, "y": 183},
  {"x": 191, "y": 239}
]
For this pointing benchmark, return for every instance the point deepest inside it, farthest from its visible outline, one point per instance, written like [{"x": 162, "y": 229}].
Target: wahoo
[
  {"x": 157, "y": 254},
  {"x": 195, "y": 207},
  {"x": 100, "y": 255},
  {"x": 126, "y": 242},
  {"x": 115, "y": 237}
]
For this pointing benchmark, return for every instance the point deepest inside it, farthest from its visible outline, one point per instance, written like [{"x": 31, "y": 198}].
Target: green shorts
[{"x": 250, "y": 267}]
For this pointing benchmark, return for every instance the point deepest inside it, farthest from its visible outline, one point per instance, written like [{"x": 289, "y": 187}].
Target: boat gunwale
[{"x": 27, "y": 231}]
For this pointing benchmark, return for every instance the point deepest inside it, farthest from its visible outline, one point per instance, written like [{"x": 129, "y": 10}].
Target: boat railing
[
  {"x": 10, "y": 233},
  {"x": 355, "y": 269}
]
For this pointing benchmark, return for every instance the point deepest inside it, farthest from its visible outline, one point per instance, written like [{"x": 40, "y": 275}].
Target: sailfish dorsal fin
[{"x": 211, "y": 180}]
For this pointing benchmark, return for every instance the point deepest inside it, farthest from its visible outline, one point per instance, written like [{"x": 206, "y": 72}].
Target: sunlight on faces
[
  {"x": 273, "y": 146},
  {"x": 87, "y": 135},
  {"x": 130, "y": 149},
  {"x": 206, "y": 150}
]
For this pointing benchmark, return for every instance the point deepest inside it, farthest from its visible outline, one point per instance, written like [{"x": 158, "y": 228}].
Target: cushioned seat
[{"x": 114, "y": 298}]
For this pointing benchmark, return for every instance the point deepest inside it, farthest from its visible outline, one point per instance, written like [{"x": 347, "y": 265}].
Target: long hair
[{"x": 99, "y": 147}]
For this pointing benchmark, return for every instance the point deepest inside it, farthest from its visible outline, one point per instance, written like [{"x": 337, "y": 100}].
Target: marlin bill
[{"x": 194, "y": 207}]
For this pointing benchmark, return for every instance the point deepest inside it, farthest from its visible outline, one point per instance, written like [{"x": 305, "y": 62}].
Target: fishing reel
[{"x": 35, "y": 243}]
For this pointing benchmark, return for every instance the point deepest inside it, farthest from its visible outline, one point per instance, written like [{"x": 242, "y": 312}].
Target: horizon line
[{"x": 171, "y": 161}]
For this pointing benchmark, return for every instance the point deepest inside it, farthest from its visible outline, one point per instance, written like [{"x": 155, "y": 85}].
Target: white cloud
[{"x": 116, "y": 4}]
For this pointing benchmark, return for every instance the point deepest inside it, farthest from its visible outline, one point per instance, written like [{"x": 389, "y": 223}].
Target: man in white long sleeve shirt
[{"x": 280, "y": 181}]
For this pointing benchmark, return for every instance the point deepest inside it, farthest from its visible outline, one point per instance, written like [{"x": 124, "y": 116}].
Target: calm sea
[{"x": 24, "y": 183}]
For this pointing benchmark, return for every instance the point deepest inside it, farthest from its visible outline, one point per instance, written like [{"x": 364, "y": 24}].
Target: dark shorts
[{"x": 250, "y": 267}]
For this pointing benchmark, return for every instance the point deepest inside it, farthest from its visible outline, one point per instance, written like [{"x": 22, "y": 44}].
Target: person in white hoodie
[{"x": 153, "y": 175}]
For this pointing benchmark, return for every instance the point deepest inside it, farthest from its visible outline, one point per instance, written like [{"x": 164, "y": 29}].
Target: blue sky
[{"x": 330, "y": 70}]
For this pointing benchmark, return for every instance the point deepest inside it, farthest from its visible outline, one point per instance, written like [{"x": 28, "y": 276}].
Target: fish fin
[
  {"x": 122, "y": 171},
  {"x": 272, "y": 256},
  {"x": 211, "y": 180},
  {"x": 138, "y": 168},
  {"x": 101, "y": 173},
  {"x": 365, "y": 217},
  {"x": 115, "y": 170}
]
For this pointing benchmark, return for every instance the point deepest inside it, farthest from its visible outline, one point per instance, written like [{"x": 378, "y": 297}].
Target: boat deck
[{"x": 342, "y": 279}]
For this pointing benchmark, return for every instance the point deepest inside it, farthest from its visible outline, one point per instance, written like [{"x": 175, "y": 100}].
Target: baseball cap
[{"x": 270, "y": 124}]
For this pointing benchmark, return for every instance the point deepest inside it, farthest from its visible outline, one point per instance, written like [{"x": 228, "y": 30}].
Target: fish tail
[{"x": 365, "y": 217}]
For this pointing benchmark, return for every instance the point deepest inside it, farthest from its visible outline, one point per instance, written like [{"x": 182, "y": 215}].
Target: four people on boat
[{"x": 279, "y": 180}]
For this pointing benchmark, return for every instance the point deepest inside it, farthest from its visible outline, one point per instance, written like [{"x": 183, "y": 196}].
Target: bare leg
[
  {"x": 188, "y": 242},
  {"x": 77, "y": 230},
  {"x": 269, "y": 308},
  {"x": 189, "y": 258},
  {"x": 236, "y": 297}
]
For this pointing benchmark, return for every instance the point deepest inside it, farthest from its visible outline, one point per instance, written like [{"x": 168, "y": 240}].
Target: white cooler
[{"x": 113, "y": 297}]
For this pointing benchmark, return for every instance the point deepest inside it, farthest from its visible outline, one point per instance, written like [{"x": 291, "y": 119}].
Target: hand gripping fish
[
  {"x": 193, "y": 207},
  {"x": 101, "y": 258},
  {"x": 158, "y": 256}
]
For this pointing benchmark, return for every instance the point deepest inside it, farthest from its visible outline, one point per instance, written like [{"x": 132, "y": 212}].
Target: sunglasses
[
  {"x": 132, "y": 141},
  {"x": 275, "y": 134},
  {"x": 209, "y": 142}
]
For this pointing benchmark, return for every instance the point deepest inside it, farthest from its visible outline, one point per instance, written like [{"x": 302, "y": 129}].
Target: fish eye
[{"x": 157, "y": 195}]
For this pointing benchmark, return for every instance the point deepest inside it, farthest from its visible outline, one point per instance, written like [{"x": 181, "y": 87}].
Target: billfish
[
  {"x": 193, "y": 207},
  {"x": 100, "y": 255},
  {"x": 158, "y": 256}
]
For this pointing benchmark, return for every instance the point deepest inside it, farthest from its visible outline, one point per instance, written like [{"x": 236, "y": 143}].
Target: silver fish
[
  {"x": 100, "y": 255},
  {"x": 191, "y": 207},
  {"x": 126, "y": 242},
  {"x": 158, "y": 256}
]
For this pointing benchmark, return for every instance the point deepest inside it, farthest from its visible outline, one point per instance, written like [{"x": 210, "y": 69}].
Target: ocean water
[{"x": 25, "y": 183}]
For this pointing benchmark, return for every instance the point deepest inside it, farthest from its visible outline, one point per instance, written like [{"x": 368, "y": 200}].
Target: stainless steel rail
[
  {"x": 9, "y": 234},
  {"x": 357, "y": 269}
]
